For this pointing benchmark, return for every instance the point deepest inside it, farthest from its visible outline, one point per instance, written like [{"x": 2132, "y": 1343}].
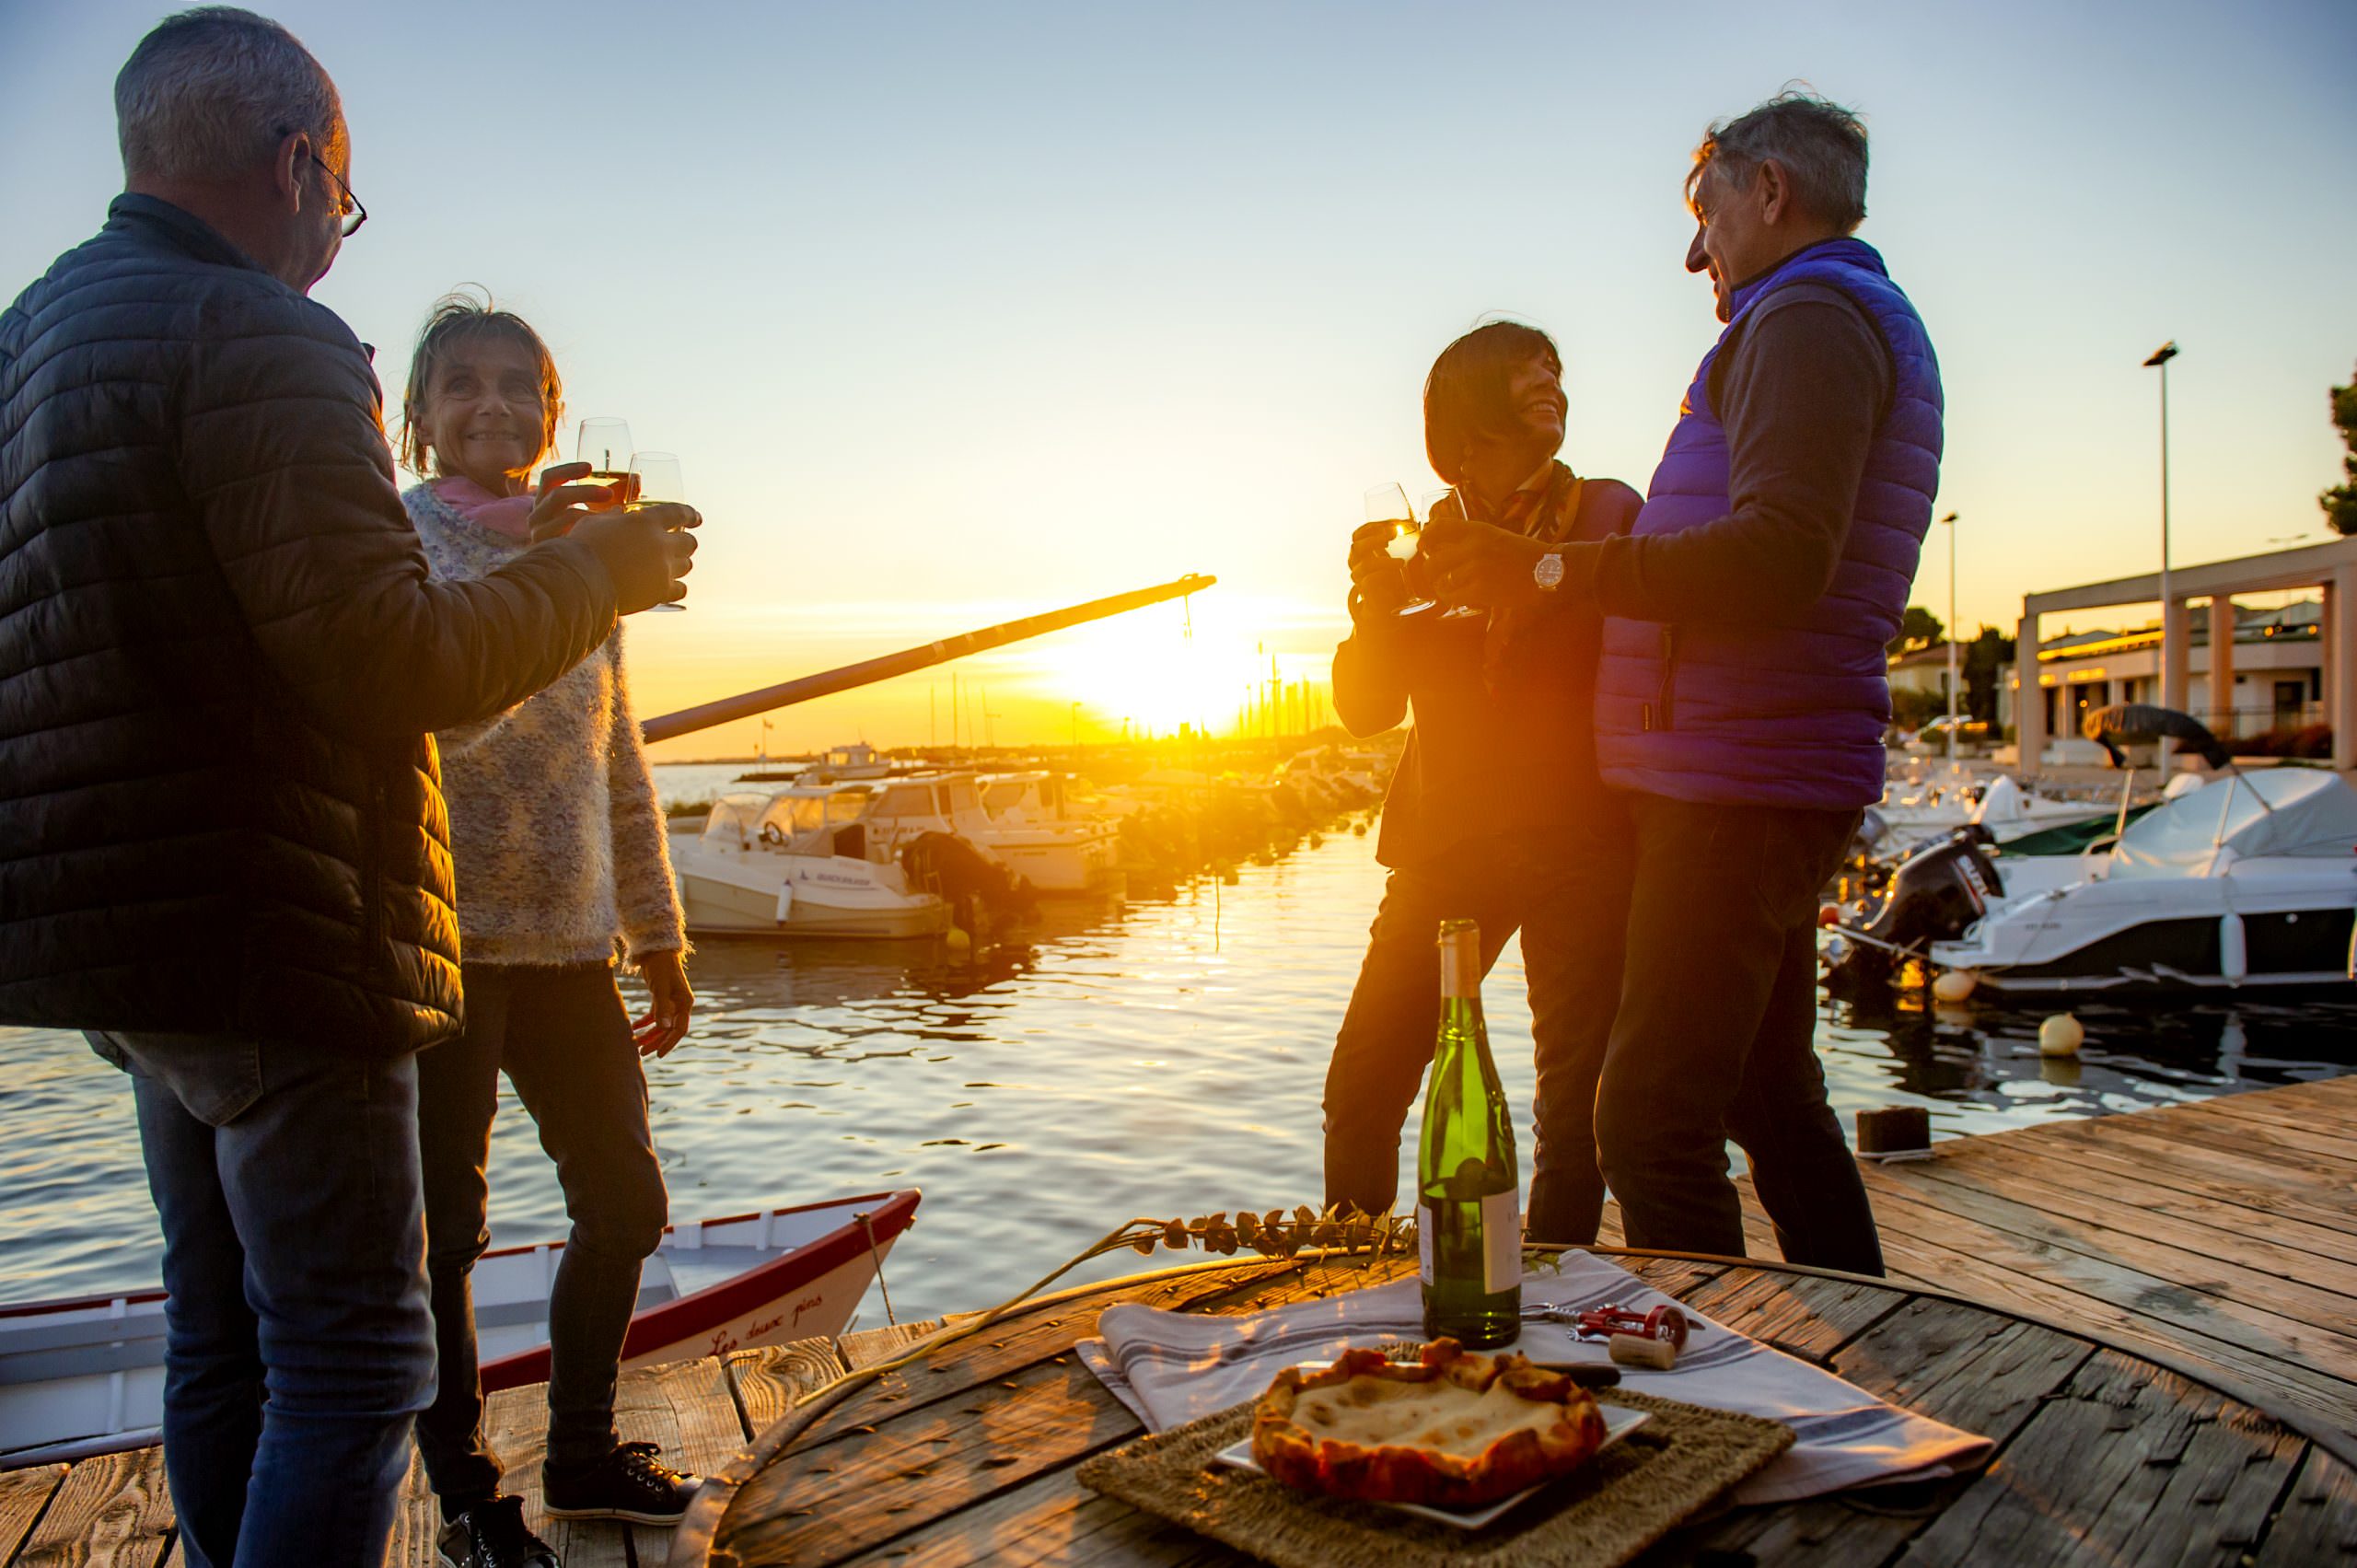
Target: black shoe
[
  {"x": 492, "y": 1534},
  {"x": 629, "y": 1483}
]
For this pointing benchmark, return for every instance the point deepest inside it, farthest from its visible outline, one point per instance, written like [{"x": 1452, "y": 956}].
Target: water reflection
[{"x": 1110, "y": 1059}]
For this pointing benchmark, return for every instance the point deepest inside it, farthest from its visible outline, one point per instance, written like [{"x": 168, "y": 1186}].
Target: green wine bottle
[{"x": 1468, "y": 1226}]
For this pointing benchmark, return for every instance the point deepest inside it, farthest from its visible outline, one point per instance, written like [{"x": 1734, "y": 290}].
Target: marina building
[{"x": 2285, "y": 670}]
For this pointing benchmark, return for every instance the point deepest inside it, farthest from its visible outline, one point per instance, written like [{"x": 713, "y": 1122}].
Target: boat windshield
[
  {"x": 905, "y": 800},
  {"x": 1004, "y": 795},
  {"x": 736, "y": 815},
  {"x": 794, "y": 815},
  {"x": 849, "y": 805}
]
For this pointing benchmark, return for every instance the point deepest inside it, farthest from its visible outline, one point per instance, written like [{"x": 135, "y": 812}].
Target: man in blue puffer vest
[{"x": 1742, "y": 697}]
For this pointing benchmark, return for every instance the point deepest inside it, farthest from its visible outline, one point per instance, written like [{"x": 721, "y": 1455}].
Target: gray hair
[
  {"x": 213, "y": 90},
  {"x": 1821, "y": 146}
]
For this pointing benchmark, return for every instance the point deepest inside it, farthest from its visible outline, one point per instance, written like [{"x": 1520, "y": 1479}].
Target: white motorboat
[
  {"x": 1041, "y": 829},
  {"x": 1913, "y": 813},
  {"x": 802, "y": 861},
  {"x": 2248, "y": 882},
  {"x": 858, "y": 760},
  {"x": 87, "y": 1377}
]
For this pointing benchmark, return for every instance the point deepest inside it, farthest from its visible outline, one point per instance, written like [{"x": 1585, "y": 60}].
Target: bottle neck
[{"x": 1460, "y": 970}]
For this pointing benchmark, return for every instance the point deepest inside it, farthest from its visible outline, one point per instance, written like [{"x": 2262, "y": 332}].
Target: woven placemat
[{"x": 1631, "y": 1495}]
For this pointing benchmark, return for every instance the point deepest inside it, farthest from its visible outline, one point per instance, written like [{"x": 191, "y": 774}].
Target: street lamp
[
  {"x": 1950, "y": 521},
  {"x": 2160, "y": 361}
]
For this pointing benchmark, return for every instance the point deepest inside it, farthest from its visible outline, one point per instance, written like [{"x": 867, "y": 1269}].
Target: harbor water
[{"x": 1112, "y": 1059}]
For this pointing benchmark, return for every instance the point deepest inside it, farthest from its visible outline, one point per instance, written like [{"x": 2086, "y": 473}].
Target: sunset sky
[{"x": 959, "y": 312}]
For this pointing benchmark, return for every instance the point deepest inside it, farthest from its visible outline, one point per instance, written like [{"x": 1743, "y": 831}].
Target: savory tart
[{"x": 1453, "y": 1430}]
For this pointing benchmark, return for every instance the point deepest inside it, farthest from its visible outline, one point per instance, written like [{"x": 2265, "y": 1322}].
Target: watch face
[{"x": 1549, "y": 573}]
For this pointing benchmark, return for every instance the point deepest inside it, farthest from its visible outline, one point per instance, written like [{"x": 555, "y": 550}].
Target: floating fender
[
  {"x": 2061, "y": 1035},
  {"x": 1955, "y": 985},
  {"x": 2234, "y": 952}
]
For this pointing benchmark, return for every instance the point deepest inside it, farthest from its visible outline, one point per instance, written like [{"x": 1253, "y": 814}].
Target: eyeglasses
[{"x": 352, "y": 212}]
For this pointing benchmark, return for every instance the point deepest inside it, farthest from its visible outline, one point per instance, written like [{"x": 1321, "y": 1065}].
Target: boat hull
[{"x": 87, "y": 1377}]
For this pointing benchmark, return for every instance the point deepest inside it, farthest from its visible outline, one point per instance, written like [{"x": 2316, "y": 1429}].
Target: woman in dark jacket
[{"x": 1496, "y": 813}]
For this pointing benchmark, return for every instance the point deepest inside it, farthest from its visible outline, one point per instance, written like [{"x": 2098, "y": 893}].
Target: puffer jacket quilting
[
  {"x": 1789, "y": 714},
  {"x": 221, "y": 657}
]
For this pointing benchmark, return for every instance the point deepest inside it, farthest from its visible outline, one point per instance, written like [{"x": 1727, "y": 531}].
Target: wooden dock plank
[
  {"x": 866, "y": 1487},
  {"x": 1965, "y": 1271},
  {"x": 24, "y": 1493},
  {"x": 2317, "y": 1522},
  {"x": 2126, "y": 1176},
  {"x": 2158, "y": 1155},
  {"x": 2161, "y": 1470},
  {"x": 1052, "y": 1518},
  {"x": 2280, "y": 1317},
  {"x": 109, "y": 1512},
  {"x": 2236, "y": 1244},
  {"x": 1805, "y": 1317},
  {"x": 1952, "y": 1364},
  {"x": 767, "y": 1383}
]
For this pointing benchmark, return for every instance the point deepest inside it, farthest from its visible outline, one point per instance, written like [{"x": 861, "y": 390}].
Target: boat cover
[{"x": 2275, "y": 811}]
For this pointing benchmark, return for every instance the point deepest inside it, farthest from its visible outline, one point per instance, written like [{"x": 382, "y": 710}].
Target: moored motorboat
[
  {"x": 2247, "y": 883},
  {"x": 87, "y": 1376},
  {"x": 1042, "y": 832},
  {"x": 802, "y": 861}
]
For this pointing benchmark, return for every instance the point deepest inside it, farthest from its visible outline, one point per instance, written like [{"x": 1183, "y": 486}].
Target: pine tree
[{"x": 2339, "y": 503}]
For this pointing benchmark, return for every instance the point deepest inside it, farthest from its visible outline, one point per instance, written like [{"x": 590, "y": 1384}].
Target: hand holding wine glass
[
  {"x": 1445, "y": 506},
  {"x": 1387, "y": 508},
  {"x": 654, "y": 480},
  {"x": 604, "y": 446}
]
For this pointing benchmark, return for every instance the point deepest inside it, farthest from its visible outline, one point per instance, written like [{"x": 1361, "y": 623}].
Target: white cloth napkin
[{"x": 1172, "y": 1367}]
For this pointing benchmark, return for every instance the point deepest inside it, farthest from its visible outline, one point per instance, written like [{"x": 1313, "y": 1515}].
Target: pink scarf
[{"x": 507, "y": 514}]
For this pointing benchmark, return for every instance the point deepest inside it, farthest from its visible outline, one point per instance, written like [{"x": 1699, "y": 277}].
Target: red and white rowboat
[{"x": 87, "y": 1377}]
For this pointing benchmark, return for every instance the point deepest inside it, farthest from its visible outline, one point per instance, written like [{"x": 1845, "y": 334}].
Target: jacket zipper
[
  {"x": 372, "y": 872},
  {"x": 1665, "y": 700}
]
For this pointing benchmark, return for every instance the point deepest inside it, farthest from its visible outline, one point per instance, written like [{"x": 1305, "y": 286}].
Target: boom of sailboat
[{"x": 727, "y": 709}]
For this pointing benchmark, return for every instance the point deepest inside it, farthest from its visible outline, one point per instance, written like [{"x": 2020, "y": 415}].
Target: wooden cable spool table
[{"x": 968, "y": 1454}]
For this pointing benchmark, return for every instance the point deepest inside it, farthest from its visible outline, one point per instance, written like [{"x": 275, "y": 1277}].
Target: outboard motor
[{"x": 1934, "y": 895}]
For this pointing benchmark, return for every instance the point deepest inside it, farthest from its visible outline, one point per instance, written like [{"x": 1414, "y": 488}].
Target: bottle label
[{"x": 1500, "y": 1241}]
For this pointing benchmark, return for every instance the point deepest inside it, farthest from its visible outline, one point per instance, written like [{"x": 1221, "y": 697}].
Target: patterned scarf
[{"x": 1545, "y": 512}]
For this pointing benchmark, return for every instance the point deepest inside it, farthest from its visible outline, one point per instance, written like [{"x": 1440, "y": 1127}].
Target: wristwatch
[{"x": 1549, "y": 573}]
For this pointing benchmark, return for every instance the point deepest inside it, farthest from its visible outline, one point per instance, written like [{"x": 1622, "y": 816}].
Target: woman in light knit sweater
[{"x": 559, "y": 849}]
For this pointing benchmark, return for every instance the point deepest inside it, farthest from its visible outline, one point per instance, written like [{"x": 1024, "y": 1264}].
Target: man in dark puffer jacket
[{"x": 222, "y": 837}]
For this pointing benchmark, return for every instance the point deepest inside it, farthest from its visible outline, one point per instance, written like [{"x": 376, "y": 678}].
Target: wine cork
[{"x": 1637, "y": 1350}]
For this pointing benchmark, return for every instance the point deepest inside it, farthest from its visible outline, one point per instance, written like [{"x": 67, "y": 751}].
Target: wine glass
[
  {"x": 602, "y": 445},
  {"x": 1433, "y": 502},
  {"x": 655, "y": 476},
  {"x": 1389, "y": 504}
]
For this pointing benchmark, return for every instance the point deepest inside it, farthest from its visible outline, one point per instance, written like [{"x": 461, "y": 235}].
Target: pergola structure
[{"x": 2332, "y": 567}]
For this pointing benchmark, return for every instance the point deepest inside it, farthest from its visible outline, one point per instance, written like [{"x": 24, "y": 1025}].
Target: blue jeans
[{"x": 298, "y": 1345}]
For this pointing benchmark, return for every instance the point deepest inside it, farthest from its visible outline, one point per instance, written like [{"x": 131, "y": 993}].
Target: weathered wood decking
[{"x": 2216, "y": 1237}]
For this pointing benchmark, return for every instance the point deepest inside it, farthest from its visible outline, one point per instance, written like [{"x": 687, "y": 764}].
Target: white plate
[{"x": 1619, "y": 1421}]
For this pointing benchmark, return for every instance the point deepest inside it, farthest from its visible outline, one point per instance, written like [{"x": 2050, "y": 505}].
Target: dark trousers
[
  {"x": 297, "y": 1347},
  {"x": 561, "y": 1037},
  {"x": 1567, "y": 897},
  {"x": 1715, "y": 1039}
]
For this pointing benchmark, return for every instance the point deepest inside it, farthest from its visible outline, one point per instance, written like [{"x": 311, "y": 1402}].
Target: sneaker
[
  {"x": 492, "y": 1534},
  {"x": 630, "y": 1484}
]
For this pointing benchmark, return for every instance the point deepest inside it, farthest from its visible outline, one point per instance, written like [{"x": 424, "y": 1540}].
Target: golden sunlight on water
[{"x": 1111, "y": 1061}]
